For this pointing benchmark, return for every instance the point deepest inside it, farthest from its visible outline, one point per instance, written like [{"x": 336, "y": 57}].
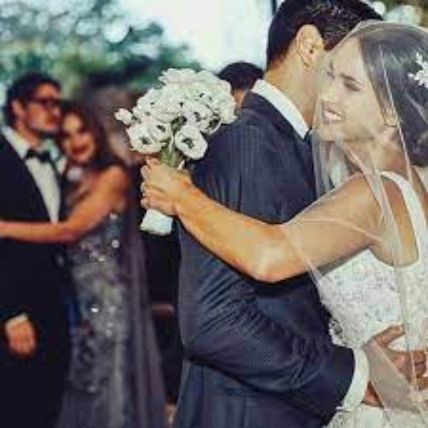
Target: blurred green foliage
[
  {"x": 92, "y": 43},
  {"x": 84, "y": 43}
]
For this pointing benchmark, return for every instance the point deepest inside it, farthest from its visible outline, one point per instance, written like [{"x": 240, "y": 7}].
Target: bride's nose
[{"x": 329, "y": 92}]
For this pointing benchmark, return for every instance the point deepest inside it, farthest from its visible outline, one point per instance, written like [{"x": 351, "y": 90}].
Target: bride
[{"x": 365, "y": 240}]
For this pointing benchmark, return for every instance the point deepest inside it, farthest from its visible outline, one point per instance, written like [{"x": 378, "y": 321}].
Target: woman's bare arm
[
  {"x": 109, "y": 189},
  {"x": 336, "y": 226}
]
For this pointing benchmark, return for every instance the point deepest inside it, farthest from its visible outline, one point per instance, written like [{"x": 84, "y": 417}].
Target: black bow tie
[{"x": 42, "y": 156}]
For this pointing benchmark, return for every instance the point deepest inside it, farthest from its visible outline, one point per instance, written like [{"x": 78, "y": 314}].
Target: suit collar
[
  {"x": 283, "y": 105},
  {"x": 259, "y": 105}
]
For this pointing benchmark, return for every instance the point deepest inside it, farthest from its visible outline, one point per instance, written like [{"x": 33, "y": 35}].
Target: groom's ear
[
  {"x": 309, "y": 45},
  {"x": 18, "y": 109}
]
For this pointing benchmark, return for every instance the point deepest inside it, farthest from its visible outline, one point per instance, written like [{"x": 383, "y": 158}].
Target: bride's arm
[
  {"x": 338, "y": 225},
  {"x": 91, "y": 211}
]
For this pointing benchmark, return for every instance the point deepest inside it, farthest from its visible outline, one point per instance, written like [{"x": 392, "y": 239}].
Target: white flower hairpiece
[{"x": 422, "y": 75}]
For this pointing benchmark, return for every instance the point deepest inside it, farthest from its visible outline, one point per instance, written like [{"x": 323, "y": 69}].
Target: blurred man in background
[
  {"x": 34, "y": 346},
  {"x": 241, "y": 76}
]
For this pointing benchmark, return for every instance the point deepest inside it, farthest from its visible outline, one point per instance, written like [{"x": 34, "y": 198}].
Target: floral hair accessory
[{"x": 422, "y": 75}]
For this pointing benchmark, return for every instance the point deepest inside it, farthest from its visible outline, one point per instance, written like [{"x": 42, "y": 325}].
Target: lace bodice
[{"x": 363, "y": 296}]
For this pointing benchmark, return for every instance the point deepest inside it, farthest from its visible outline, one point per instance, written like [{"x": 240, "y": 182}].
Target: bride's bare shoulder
[{"x": 370, "y": 189}]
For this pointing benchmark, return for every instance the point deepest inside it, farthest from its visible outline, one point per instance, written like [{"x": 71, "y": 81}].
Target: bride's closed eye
[
  {"x": 351, "y": 83},
  {"x": 351, "y": 86}
]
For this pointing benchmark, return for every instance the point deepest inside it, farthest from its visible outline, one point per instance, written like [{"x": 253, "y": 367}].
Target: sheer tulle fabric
[{"x": 370, "y": 132}]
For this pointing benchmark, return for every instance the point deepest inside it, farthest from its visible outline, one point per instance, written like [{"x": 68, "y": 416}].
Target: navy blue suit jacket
[{"x": 256, "y": 355}]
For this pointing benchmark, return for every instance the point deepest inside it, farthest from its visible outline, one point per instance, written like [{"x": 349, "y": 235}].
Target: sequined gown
[{"x": 115, "y": 379}]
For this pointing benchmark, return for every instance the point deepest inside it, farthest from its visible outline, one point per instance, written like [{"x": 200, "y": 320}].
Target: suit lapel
[{"x": 23, "y": 189}]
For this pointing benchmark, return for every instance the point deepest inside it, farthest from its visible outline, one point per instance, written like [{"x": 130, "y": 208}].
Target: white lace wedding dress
[{"x": 362, "y": 297}]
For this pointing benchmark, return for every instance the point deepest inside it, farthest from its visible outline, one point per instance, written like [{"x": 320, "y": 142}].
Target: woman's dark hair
[
  {"x": 23, "y": 90},
  {"x": 390, "y": 53},
  {"x": 334, "y": 19},
  {"x": 104, "y": 156}
]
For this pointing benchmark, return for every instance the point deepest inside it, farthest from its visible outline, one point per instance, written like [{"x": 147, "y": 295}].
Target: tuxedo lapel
[{"x": 20, "y": 185}]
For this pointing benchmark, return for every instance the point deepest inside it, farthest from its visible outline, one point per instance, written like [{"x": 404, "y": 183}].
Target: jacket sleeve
[
  {"x": 229, "y": 332},
  {"x": 10, "y": 303}
]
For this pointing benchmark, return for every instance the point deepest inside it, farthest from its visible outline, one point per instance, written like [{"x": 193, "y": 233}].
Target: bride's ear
[{"x": 309, "y": 45}]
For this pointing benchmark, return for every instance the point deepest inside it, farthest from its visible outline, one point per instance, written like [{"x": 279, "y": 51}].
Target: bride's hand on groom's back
[
  {"x": 407, "y": 363},
  {"x": 400, "y": 373}
]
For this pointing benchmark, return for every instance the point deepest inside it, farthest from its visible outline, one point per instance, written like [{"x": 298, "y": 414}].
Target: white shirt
[
  {"x": 42, "y": 173},
  {"x": 289, "y": 111},
  {"x": 283, "y": 104}
]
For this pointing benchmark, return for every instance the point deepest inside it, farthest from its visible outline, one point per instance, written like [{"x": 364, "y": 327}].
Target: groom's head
[{"x": 299, "y": 35}]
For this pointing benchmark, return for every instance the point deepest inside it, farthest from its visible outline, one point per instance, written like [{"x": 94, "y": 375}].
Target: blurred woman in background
[{"x": 115, "y": 379}]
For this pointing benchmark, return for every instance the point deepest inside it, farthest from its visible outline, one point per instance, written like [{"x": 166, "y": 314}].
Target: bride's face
[{"x": 348, "y": 110}]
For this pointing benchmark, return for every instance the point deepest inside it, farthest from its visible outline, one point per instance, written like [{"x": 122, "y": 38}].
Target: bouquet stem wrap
[{"x": 156, "y": 223}]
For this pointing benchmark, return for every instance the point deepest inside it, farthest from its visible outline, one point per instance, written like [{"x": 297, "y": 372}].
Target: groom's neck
[{"x": 290, "y": 81}]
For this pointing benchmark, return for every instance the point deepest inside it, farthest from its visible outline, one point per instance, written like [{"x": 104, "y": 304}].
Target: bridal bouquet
[{"x": 173, "y": 121}]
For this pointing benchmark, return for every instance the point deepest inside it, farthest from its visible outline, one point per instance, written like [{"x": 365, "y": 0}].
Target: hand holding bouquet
[{"x": 173, "y": 122}]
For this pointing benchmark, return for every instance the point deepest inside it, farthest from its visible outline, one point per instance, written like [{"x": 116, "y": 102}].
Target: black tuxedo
[
  {"x": 33, "y": 280},
  {"x": 256, "y": 355}
]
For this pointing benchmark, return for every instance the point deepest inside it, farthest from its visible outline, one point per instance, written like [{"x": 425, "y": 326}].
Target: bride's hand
[{"x": 163, "y": 187}]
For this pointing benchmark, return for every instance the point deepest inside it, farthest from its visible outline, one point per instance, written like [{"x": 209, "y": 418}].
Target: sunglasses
[{"x": 48, "y": 103}]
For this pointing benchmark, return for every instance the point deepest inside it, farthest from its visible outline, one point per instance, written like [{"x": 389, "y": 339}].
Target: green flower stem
[{"x": 170, "y": 156}]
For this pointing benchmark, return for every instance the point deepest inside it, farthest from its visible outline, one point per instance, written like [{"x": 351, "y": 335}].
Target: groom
[{"x": 257, "y": 356}]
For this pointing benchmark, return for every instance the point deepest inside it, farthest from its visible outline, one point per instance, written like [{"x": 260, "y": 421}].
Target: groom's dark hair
[{"x": 334, "y": 19}]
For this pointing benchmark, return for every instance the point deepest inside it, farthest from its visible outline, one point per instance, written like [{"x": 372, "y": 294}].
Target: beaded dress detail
[{"x": 115, "y": 379}]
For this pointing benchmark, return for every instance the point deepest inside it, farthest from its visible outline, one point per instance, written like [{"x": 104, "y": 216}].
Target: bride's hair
[{"x": 390, "y": 52}]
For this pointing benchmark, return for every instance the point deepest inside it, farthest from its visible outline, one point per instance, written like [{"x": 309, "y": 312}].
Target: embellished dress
[{"x": 115, "y": 379}]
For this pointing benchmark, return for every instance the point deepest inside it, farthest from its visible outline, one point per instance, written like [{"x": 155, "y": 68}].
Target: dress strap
[{"x": 414, "y": 208}]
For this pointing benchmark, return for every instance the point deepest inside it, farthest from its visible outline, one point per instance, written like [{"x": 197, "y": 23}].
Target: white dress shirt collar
[
  {"x": 44, "y": 175},
  {"x": 21, "y": 146},
  {"x": 18, "y": 142},
  {"x": 283, "y": 104}
]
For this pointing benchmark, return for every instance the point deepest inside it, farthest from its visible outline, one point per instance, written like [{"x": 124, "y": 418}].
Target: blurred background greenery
[
  {"x": 93, "y": 44},
  {"x": 84, "y": 44}
]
